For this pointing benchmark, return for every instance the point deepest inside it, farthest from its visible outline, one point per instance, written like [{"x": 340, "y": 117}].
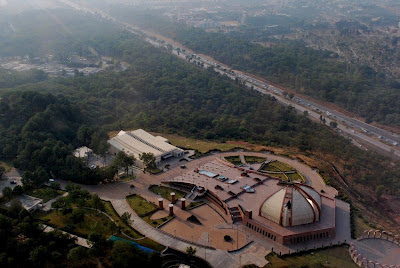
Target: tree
[
  {"x": 125, "y": 254},
  {"x": 149, "y": 160},
  {"x": 122, "y": 160},
  {"x": 77, "y": 254},
  {"x": 78, "y": 216},
  {"x": 7, "y": 193},
  {"x": 96, "y": 202},
  {"x": 39, "y": 256},
  {"x": 18, "y": 190},
  {"x": 191, "y": 251},
  {"x": 379, "y": 191},
  {"x": 2, "y": 171},
  {"x": 333, "y": 124},
  {"x": 126, "y": 218}
]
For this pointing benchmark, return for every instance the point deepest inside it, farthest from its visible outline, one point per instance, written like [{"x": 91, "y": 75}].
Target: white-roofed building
[{"x": 137, "y": 142}]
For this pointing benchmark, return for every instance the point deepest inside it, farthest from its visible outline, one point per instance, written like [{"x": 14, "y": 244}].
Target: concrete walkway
[
  {"x": 217, "y": 258},
  {"x": 79, "y": 240}
]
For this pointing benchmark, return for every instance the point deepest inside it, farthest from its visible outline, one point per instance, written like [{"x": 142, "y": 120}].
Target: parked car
[
  {"x": 13, "y": 182},
  {"x": 93, "y": 167},
  {"x": 183, "y": 166}
]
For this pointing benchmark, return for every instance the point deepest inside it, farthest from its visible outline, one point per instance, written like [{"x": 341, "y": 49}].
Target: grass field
[
  {"x": 140, "y": 205},
  {"x": 361, "y": 226},
  {"x": 157, "y": 222},
  {"x": 277, "y": 166},
  {"x": 45, "y": 193},
  {"x": 279, "y": 176},
  {"x": 124, "y": 227},
  {"x": 200, "y": 145},
  {"x": 92, "y": 222},
  {"x": 234, "y": 160},
  {"x": 253, "y": 159},
  {"x": 294, "y": 176},
  {"x": 331, "y": 257},
  {"x": 165, "y": 192}
]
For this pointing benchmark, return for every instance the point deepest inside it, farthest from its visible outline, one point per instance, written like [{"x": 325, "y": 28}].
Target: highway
[{"x": 360, "y": 132}]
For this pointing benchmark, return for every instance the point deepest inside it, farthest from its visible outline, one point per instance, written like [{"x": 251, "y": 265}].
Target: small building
[
  {"x": 28, "y": 202},
  {"x": 137, "y": 142}
]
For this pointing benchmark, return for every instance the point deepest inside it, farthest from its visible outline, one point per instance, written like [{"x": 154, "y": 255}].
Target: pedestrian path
[{"x": 79, "y": 240}]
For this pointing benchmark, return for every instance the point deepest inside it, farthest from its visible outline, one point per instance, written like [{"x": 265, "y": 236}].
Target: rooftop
[{"x": 139, "y": 141}]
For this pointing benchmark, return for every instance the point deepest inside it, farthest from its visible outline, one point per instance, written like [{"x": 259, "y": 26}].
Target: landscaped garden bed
[
  {"x": 234, "y": 160},
  {"x": 165, "y": 192},
  {"x": 254, "y": 159}
]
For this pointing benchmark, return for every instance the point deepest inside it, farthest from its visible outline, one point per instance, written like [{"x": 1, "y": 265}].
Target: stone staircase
[{"x": 235, "y": 214}]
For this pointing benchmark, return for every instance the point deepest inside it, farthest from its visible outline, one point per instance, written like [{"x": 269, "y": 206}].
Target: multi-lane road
[{"x": 362, "y": 134}]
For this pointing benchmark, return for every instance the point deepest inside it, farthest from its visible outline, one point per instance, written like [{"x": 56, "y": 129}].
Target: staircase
[{"x": 235, "y": 214}]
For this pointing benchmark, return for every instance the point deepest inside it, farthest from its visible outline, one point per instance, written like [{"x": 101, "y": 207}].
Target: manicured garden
[
  {"x": 140, "y": 205},
  {"x": 277, "y": 166},
  {"x": 165, "y": 192},
  {"x": 254, "y": 159},
  {"x": 145, "y": 210},
  {"x": 234, "y": 160},
  {"x": 282, "y": 171}
]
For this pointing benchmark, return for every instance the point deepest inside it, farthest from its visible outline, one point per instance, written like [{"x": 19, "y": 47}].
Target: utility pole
[{"x": 237, "y": 236}]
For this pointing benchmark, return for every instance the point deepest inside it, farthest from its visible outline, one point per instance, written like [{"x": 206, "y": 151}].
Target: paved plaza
[{"x": 178, "y": 233}]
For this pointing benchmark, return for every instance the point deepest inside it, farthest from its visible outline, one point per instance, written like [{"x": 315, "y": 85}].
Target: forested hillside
[{"x": 320, "y": 74}]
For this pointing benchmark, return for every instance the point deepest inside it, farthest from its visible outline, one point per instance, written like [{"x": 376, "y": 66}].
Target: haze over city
[{"x": 213, "y": 133}]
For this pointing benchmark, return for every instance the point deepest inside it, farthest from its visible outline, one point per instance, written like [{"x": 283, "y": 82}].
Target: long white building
[{"x": 137, "y": 142}]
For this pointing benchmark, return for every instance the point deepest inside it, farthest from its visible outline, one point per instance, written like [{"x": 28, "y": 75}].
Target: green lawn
[
  {"x": 92, "y": 222},
  {"x": 165, "y": 192},
  {"x": 146, "y": 242},
  {"x": 361, "y": 226},
  {"x": 45, "y": 193},
  {"x": 331, "y": 257},
  {"x": 295, "y": 177},
  {"x": 157, "y": 222},
  {"x": 254, "y": 159},
  {"x": 124, "y": 227},
  {"x": 277, "y": 166},
  {"x": 200, "y": 145},
  {"x": 279, "y": 176},
  {"x": 140, "y": 205},
  {"x": 234, "y": 160}
]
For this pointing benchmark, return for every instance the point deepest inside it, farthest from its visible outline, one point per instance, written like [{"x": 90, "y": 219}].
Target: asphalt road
[{"x": 371, "y": 136}]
